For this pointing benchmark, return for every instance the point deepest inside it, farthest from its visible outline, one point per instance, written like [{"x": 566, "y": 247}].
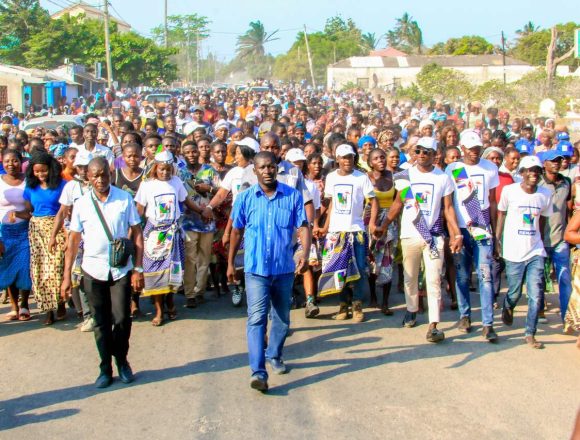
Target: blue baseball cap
[
  {"x": 524, "y": 146},
  {"x": 563, "y": 136},
  {"x": 549, "y": 155},
  {"x": 565, "y": 148}
]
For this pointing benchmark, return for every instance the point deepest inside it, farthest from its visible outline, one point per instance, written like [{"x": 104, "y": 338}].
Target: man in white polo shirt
[
  {"x": 91, "y": 147},
  {"x": 474, "y": 180}
]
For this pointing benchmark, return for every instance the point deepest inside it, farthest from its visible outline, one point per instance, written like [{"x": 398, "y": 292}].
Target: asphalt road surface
[{"x": 346, "y": 381}]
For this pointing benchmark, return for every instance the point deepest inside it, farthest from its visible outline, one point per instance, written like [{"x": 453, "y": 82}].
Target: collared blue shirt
[{"x": 269, "y": 224}]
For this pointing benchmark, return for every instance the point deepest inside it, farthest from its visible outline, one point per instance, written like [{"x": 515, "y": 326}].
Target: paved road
[{"x": 348, "y": 381}]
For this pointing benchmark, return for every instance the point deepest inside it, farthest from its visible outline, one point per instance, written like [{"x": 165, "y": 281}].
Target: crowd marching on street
[{"x": 264, "y": 195}]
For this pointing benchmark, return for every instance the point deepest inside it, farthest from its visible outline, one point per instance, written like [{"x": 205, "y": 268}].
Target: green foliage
[
  {"x": 325, "y": 50},
  {"x": 533, "y": 47},
  {"x": 497, "y": 93},
  {"x": 19, "y": 20},
  {"x": 68, "y": 37},
  {"x": 437, "y": 82},
  {"x": 406, "y": 36},
  {"x": 413, "y": 93},
  {"x": 183, "y": 33},
  {"x": 370, "y": 41},
  {"x": 466, "y": 45},
  {"x": 251, "y": 44},
  {"x": 348, "y": 87}
]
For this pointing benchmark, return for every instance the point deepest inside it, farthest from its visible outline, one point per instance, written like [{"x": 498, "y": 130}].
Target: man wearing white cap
[
  {"x": 521, "y": 216},
  {"x": 346, "y": 239},
  {"x": 474, "y": 182},
  {"x": 426, "y": 195}
]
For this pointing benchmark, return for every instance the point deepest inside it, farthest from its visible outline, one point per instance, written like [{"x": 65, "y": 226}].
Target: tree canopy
[{"x": 466, "y": 45}]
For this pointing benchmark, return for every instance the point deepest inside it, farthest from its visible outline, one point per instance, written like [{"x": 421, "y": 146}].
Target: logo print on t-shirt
[
  {"x": 424, "y": 197},
  {"x": 529, "y": 216},
  {"x": 165, "y": 208},
  {"x": 343, "y": 199}
]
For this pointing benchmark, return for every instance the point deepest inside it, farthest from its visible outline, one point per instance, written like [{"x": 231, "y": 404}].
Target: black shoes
[
  {"x": 507, "y": 315},
  {"x": 125, "y": 373},
  {"x": 464, "y": 325},
  {"x": 489, "y": 333},
  {"x": 259, "y": 382},
  {"x": 104, "y": 380}
]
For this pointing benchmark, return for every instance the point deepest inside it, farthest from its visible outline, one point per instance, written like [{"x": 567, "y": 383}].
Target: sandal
[
  {"x": 24, "y": 314},
  {"x": 60, "y": 311},
  {"x": 157, "y": 322},
  {"x": 12, "y": 315},
  {"x": 172, "y": 314},
  {"x": 135, "y": 313},
  {"x": 49, "y": 319},
  {"x": 386, "y": 311},
  {"x": 533, "y": 342}
]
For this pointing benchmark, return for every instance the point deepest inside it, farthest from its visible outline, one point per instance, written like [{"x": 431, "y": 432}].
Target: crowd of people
[{"x": 265, "y": 195}]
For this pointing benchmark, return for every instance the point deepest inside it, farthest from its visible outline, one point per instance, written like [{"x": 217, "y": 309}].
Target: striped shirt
[{"x": 269, "y": 224}]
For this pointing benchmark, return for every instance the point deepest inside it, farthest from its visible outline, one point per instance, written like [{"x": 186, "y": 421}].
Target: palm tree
[
  {"x": 369, "y": 41},
  {"x": 529, "y": 28},
  {"x": 251, "y": 44},
  {"x": 407, "y": 35}
]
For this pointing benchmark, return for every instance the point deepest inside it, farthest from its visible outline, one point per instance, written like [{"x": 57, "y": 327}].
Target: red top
[{"x": 504, "y": 179}]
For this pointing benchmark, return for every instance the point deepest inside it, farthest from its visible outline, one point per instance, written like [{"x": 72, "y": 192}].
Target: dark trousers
[{"x": 110, "y": 304}]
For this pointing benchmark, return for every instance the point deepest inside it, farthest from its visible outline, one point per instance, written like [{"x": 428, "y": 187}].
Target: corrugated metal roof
[{"x": 422, "y": 60}]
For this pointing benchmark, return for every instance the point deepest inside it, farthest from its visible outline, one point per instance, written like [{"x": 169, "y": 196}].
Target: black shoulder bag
[{"x": 120, "y": 249}]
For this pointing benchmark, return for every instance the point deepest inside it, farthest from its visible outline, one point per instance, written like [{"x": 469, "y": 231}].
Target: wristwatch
[{"x": 138, "y": 269}]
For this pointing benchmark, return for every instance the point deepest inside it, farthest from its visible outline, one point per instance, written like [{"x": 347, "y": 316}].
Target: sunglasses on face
[{"x": 422, "y": 151}]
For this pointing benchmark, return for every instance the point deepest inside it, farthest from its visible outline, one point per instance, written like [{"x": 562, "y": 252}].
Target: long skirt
[
  {"x": 46, "y": 268},
  {"x": 15, "y": 263},
  {"x": 382, "y": 251},
  {"x": 572, "y": 318},
  {"x": 163, "y": 259}
]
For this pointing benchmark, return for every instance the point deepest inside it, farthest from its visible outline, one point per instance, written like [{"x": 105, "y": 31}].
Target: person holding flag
[{"x": 475, "y": 180}]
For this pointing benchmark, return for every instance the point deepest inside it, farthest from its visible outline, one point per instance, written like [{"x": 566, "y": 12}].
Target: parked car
[
  {"x": 51, "y": 122},
  {"x": 161, "y": 99}
]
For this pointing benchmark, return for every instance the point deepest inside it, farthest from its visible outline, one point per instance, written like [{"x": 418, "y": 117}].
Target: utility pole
[
  {"x": 188, "y": 52},
  {"x": 107, "y": 44},
  {"x": 503, "y": 55},
  {"x": 165, "y": 28},
  {"x": 309, "y": 58},
  {"x": 197, "y": 52}
]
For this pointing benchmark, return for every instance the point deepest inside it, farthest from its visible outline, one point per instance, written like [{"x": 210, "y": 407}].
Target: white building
[
  {"x": 93, "y": 13},
  {"x": 376, "y": 71}
]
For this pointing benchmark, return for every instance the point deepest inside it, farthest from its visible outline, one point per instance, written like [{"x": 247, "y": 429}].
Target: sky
[{"x": 230, "y": 18}]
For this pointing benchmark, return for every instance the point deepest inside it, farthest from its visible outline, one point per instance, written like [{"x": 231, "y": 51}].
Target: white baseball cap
[
  {"x": 295, "y": 154},
  {"x": 190, "y": 127},
  {"x": 249, "y": 142},
  {"x": 427, "y": 142},
  {"x": 344, "y": 150},
  {"x": 528, "y": 162},
  {"x": 82, "y": 159},
  {"x": 470, "y": 139}
]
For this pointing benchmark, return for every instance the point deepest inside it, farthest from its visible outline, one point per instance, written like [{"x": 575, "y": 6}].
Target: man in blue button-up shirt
[{"x": 266, "y": 214}]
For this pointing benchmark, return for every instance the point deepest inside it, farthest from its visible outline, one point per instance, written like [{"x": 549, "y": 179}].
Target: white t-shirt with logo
[
  {"x": 484, "y": 175},
  {"x": 427, "y": 189},
  {"x": 521, "y": 233},
  {"x": 232, "y": 181},
  {"x": 161, "y": 199},
  {"x": 348, "y": 195}
]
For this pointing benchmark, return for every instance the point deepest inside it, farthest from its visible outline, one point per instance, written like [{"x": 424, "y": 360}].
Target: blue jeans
[
  {"x": 480, "y": 254},
  {"x": 532, "y": 271},
  {"x": 360, "y": 288},
  {"x": 261, "y": 292},
  {"x": 560, "y": 256}
]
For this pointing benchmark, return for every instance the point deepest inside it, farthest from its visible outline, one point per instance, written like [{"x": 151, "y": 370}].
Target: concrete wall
[
  {"x": 405, "y": 76},
  {"x": 14, "y": 90}
]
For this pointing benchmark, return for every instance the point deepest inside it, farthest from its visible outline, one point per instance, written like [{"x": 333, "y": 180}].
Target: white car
[{"x": 51, "y": 122}]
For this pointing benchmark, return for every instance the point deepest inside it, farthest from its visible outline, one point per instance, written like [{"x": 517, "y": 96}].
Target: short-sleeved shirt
[
  {"x": 556, "y": 224},
  {"x": 521, "y": 234},
  {"x": 44, "y": 201},
  {"x": 483, "y": 175},
  {"x": 73, "y": 190},
  {"x": 98, "y": 151},
  {"x": 120, "y": 213},
  {"x": 232, "y": 182},
  {"x": 428, "y": 191},
  {"x": 348, "y": 194},
  {"x": 161, "y": 199},
  {"x": 11, "y": 199},
  {"x": 269, "y": 224}
]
